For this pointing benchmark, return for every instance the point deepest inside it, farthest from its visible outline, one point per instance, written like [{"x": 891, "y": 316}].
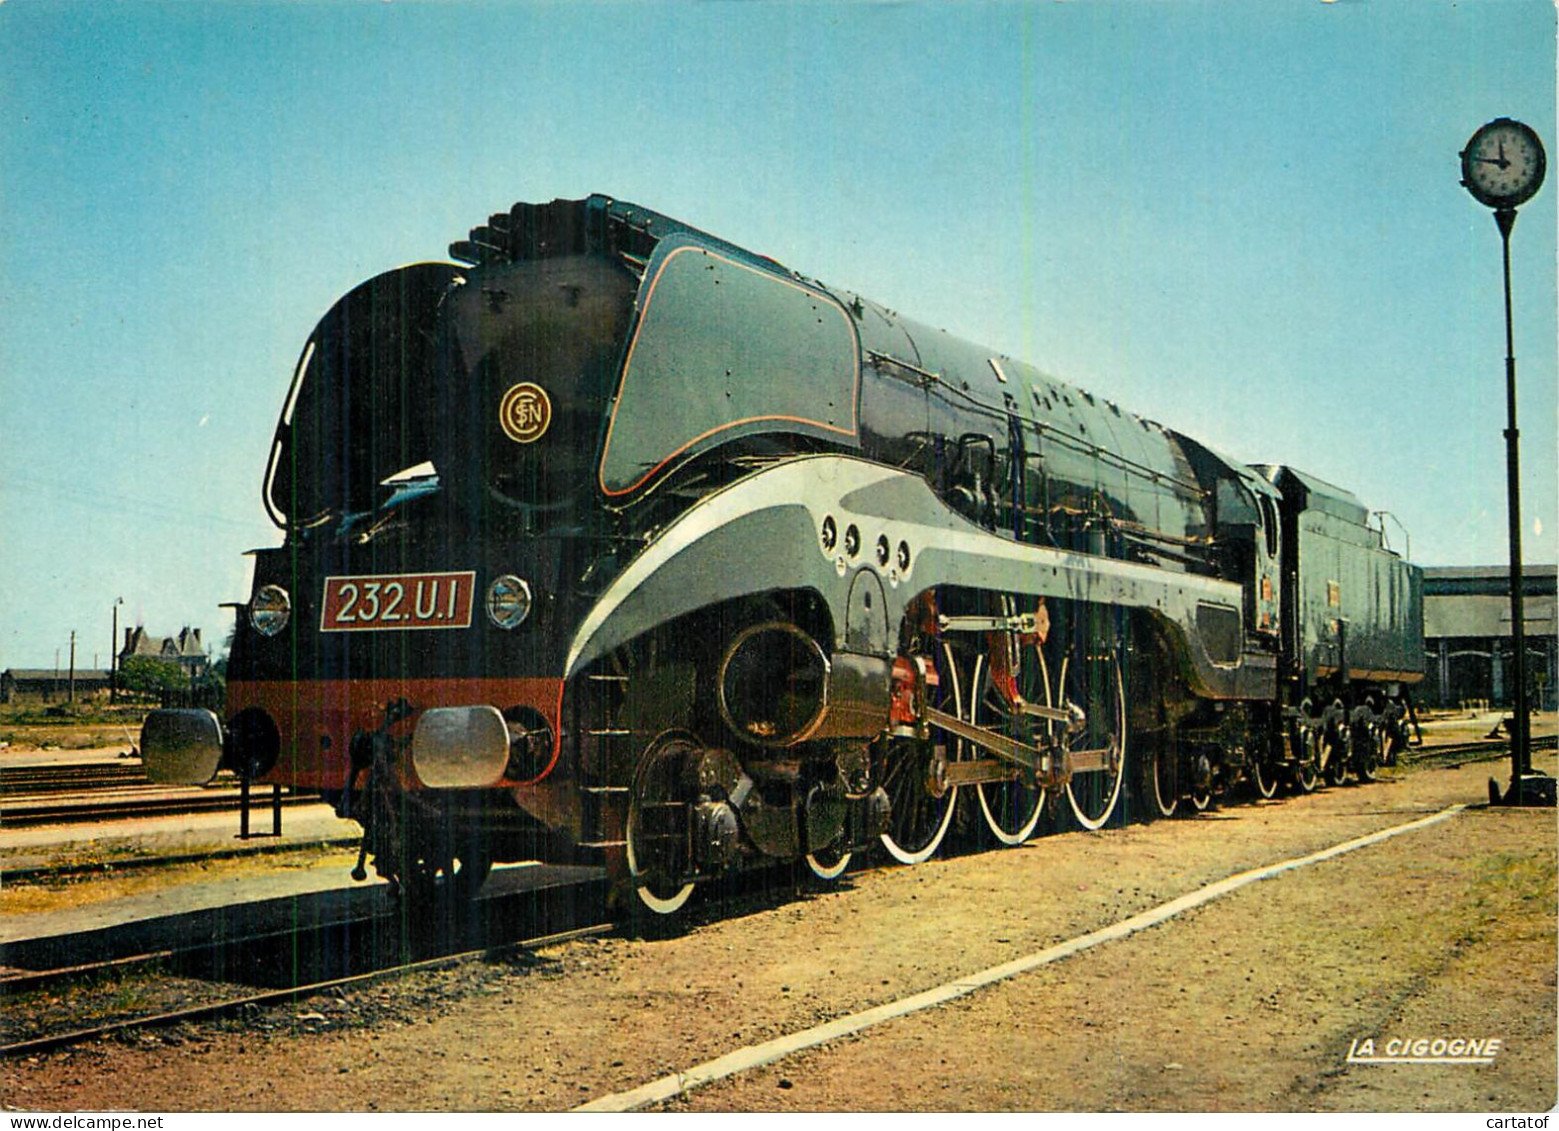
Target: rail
[{"x": 539, "y": 916}]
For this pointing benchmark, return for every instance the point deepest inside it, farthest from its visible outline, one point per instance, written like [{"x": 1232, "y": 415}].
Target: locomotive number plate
[{"x": 398, "y": 601}]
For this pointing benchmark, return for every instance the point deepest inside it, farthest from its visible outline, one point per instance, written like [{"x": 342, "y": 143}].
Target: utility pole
[
  {"x": 113, "y": 656},
  {"x": 72, "y": 696}
]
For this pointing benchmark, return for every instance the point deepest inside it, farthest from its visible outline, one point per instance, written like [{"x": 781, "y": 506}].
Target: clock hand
[{"x": 1500, "y": 161}]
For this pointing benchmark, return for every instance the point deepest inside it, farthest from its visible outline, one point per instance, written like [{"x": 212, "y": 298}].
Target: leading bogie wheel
[
  {"x": 1390, "y": 744},
  {"x": 656, "y": 891},
  {"x": 828, "y": 863},
  {"x": 655, "y": 832},
  {"x": 1333, "y": 758}
]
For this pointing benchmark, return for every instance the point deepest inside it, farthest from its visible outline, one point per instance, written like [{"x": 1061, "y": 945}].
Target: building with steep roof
[{"x": 184, "y": 649}]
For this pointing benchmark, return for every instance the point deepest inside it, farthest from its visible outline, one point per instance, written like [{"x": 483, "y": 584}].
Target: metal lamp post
[
  {"x": 113, "y": 656},
  {"x": 1503, "y": 167}
]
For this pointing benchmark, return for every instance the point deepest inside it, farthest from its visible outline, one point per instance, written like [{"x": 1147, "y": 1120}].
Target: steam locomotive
[{"x": 614, "y": 541}]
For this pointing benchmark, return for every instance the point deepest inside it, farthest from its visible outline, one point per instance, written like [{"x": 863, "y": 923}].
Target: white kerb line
[{"x": 755, "y": 1056}]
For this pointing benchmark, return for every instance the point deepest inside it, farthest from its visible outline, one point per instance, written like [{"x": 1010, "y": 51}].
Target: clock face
[{"x": 1503, "y": 164}]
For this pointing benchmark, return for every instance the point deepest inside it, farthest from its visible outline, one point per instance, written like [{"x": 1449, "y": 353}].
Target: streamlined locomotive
[{"x": 614, "y": 541}]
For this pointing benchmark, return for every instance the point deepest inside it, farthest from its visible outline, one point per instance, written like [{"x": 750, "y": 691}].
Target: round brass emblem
[{"x": 525, "y": 413}]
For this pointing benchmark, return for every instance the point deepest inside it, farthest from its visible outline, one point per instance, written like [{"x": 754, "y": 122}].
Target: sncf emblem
[
  {"x": 397, "y": 601},
  {"x": 525, "y": 413}
]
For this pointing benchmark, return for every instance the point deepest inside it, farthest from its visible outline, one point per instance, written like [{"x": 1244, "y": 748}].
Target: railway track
[
  {"x": 136, "y": 801},
  {"x": 22, "y": 781},
  {"x": 1479, "y": 750},
  {"x": 218, "y": 977},
  {"x": 63, "y": 793},
  {"x": 229, "y": 1006}
]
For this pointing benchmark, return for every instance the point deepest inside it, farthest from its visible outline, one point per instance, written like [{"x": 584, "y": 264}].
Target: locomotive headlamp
[
  {"x": 508, "y": 601},
  {"x": 270, "y": 610}
]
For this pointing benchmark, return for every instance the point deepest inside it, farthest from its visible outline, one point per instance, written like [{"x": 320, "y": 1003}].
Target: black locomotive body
[{"x": 622, "y": 543}]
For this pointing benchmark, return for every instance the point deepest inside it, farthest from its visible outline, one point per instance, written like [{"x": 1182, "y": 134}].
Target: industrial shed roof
[{"x": 1485, "y": 615}]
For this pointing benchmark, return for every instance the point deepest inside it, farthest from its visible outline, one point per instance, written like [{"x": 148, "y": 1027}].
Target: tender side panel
[
  {"x": 1357, "y": 607},
  {"x": 1360, "y": 605}
]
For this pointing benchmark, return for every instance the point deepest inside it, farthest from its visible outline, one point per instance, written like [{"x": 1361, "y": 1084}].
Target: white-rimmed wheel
[
  {"x": 656, "y": 828},
  {"x": 1091, "y": 678},
  {"x": 1160, "y": 759},
  {"x": 1368, "y": 740},
  {"x": 1333, "y": 757},
  {"x": 1394, "y": 733},
  {"x": 828, "y": 863},
  {"x": 1393, "y": 739},
  {"x": 1263, "y": 778},
  {"x": 1012, "y": 808},
  {"x": 1307, "y": 750},
  {"x": 914, "y": 775}
]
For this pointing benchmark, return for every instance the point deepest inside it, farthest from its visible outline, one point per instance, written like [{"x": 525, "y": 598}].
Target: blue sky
[{"x": 1242, "y": 220}]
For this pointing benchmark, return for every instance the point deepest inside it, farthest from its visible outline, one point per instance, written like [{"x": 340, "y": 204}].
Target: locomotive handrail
[
  {"x": 1084, "y": 447},
  {"x": 928, "y": 378}
]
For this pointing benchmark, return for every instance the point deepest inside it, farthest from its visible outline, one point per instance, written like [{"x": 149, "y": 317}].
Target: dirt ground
[{"x": 1248, "y": 1003}]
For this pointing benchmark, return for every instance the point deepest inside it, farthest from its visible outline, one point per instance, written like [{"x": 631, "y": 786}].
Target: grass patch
[
  {"x": 1504, "y": 876},
  {"x": 56, "y": 714},
  {"x": 80, "y": 726}
]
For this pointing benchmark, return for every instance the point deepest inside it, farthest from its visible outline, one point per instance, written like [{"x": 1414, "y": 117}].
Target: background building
[
  {"x": 48, "y": 685},
  {"x": 1467, "y": 635},
  {"x": 184, "y": 649}
]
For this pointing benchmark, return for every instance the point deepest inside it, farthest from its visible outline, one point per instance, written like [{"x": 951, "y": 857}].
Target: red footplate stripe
[{"x": 317, "y": 718}]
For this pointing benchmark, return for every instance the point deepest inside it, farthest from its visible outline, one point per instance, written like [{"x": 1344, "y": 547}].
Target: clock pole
[
  {"x": 1503, "y": 167},
  {"x": 1520, "y": 732}
]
